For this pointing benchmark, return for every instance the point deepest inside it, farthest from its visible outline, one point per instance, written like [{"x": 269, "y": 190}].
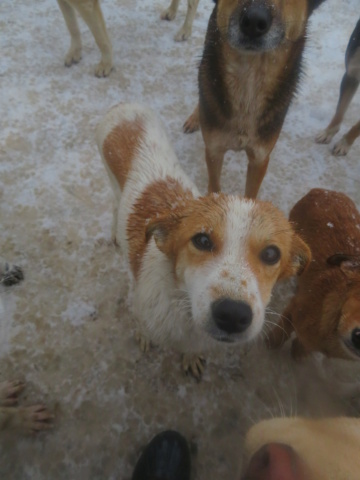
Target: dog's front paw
[
  {"x": 9, "y": 392},
  {"x": 193, "y": 364},
  {"x": 34, "y": 418},
  {"x": 10, "y": 274},
  {"x": 73, "y": 56},
  {"x": 168, "y": 14},
  {"x": 326, "y": 136},
  {"x": 144, "y": 343},
  {"x": 183, "y": 34},
  {"x": 103, "y": 69},
  {"x": 192, "y": 124},
  {"x": 341, "y": 148}
]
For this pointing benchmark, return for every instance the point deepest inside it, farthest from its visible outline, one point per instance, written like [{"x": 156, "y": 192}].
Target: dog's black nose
[
  {"x": 256, "y": 21},
  {"x": 231, "y": 316}
]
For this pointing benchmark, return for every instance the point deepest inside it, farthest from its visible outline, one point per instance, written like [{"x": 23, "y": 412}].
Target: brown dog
[
  {"x": 303, "y": 449},
  {"x": 325, "y": 312},
  {"x": 90, "y": 11},
  {"x": 247, "y": 78},
  {"x": 349, "y": 85}
]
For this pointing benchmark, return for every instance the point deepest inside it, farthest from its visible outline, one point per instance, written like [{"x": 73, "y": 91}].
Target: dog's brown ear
[
  {"x": 161, "y": 228},
  {"x": 349, "y": 264},
  {"x": 300, "y": 256}
]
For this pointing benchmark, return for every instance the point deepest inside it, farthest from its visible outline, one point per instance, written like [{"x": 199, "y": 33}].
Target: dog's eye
[
  {"x": 355, "y": 338},
  {"x": 270, "y": 255},
  {"x": 202, "y": 242}
]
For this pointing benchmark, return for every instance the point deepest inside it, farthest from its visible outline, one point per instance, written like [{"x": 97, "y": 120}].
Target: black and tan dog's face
[{"x": 262, "y": 25}]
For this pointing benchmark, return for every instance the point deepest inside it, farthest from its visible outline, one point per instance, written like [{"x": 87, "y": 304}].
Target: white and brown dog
[
  {"x": 204, "y": 267},
  {"x": 90, "y": 11},
  {"x": 303, "y": 449}
]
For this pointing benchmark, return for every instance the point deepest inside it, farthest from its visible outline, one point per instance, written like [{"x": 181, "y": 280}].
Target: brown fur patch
[
  {"x": 161, "y": 199},
  {"x": 270, "y": 227},
  {"x": 120, "y": 146}
]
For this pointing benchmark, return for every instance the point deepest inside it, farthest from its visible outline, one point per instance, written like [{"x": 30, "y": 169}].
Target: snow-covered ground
[{"x": 67, "y": 329}]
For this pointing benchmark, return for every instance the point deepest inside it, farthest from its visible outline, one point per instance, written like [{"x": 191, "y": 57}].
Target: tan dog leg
[
  {"x": 170, "y": 12},
  {"x": 348, "y": 88},
  {"x": 74, "y": 53},
  {"x": 344, "y": 145},
  {"x": 192, "y": 124},
  {"x": 92, "y": 15},
  {"x": 185, "y": 31}
]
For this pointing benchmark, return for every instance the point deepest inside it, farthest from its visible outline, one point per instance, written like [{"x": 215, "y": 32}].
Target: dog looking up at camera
[
  {"x": 248, "y": 75},
  {"x": 204, "y": 267}
]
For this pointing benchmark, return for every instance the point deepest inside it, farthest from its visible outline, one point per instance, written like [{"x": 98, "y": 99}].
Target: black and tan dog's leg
[
  {"x": 29, "y": 419},
  {"x": 343, "y": 146},
  {"x": 256, "y": 170},
  {"x": 192, "y": 124},
  {"x": 348, "y": 88},
  {"x": 214, "y": 162}
]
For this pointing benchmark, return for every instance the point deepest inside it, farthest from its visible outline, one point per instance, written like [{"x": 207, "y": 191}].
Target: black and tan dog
[
  {"x": 247, "y": 77},
  {"x": 348, "y": 87}
]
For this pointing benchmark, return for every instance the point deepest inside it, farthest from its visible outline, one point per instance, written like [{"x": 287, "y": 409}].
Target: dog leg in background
[
  {"x": 192, "y": 124},
  {"x": 170, "y": 13},
  {"x": 92, "y": 15},
  {"x": 10, "y": 274},
  {"x": 30, "y": 419},
  {"x": 343, "y": 146},
  {"x": 74, "y": 53},
  {"x": 185, "y": 31},
  {"x": 348, "y": 88}
]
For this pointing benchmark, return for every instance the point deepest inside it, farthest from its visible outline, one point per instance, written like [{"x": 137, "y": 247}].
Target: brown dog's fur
[
  {"x": 325, "y": 312},
  {"x": 246, "y": 84},
  {"x": 90, "y": 11},
  {"x": 349, "y": 85}
]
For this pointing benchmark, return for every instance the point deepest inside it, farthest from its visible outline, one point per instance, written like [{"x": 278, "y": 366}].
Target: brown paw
[{"x": 192, "y": 124}]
